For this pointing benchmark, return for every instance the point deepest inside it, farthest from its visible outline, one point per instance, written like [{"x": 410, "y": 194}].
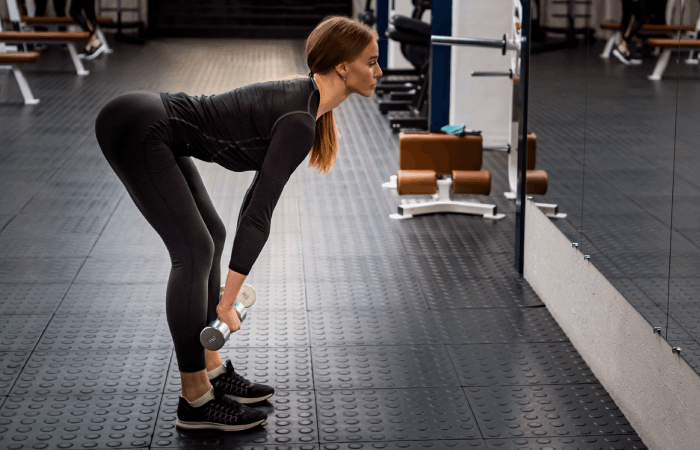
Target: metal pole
[{"x": 521, "y": 195}]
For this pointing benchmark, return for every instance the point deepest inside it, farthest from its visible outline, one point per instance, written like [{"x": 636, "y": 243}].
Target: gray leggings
[{"x": 134, "y": 134}]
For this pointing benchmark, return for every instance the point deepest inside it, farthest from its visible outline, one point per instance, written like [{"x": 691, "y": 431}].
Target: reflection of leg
[
  {"x": 59, "y": 7},
  {"x": 76, "y": 12}
]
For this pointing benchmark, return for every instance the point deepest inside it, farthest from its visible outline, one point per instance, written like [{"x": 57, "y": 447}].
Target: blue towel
[{"x": 458, "y": 130}]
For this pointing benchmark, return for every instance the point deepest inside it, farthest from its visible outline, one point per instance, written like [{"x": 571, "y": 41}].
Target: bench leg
[
  {"x": 102, "y": 39},
  {"x": 661, "y": 65},
  {"x": 24, "y": 86},
  {"x": 609, "y": 45},
  {"x": 76, "y": 61}
]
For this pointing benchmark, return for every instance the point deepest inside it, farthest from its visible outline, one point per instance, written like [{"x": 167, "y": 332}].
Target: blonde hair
[{"x": 335, "y": 40}]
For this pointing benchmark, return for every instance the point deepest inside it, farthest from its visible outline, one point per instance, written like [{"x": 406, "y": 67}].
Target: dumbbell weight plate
[{"x": 246, "y": 296}]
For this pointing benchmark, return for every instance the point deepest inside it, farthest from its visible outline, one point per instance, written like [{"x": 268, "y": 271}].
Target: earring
[{"x": 345, "y": 78}]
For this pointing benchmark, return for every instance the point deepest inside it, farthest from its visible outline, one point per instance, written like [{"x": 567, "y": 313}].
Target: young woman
[{"x": 267, "y": 127}]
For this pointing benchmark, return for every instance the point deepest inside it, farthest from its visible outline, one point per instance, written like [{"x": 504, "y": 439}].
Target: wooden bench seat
[
  {"x": 19, "y": 57},
  {"x": 48, "y": 37},
  {"x": 14, "y": 59},
  {"x": 53, "y": 20},
  {"x": 651, "y": 27},
  {"x": 673, "y": 43},
  {"x": 44, "y": 36}
]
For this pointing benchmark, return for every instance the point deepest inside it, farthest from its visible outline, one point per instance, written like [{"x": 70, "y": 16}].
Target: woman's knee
[{"x": 218, "y": 235}]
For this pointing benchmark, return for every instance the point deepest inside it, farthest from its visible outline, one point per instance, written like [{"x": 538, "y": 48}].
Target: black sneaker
[
  {"x": 238, "y": 388},
  {"x": 220, "y": 413}
]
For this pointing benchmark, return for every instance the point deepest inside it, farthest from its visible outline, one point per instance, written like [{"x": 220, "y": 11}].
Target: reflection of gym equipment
[
  {"x": 418, "y": 175},
  {"x": 367, "y": 16},
  {"x": 121, "y": 24},
  {"x": 215, "y": 335},
  {"x": 570, "y": 31},
  {"x": 44, "y": 37},
  {"x": 437, "y": 164}
]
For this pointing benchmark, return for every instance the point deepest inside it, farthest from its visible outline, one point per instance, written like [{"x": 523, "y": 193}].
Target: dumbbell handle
[{"x": 215, "y": 335}]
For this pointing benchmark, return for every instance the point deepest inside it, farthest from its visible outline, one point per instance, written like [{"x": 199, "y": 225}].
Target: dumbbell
[{"x": 215, "y": 335}]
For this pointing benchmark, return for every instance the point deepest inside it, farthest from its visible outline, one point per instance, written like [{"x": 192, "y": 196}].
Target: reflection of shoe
[
  {"x": 635, "y": 59},
  {"x": 94, "y": 52},
  {"x": 240, "y": 389},
  {"x": 623, "y": 59},
  {"x": 219, "y": 413}
]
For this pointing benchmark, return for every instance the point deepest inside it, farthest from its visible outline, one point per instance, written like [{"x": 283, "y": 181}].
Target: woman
[
  {"x": 268, "y": 127},
  {"x": 629, "y": 29},
  {"x": 87, "y": 22}
]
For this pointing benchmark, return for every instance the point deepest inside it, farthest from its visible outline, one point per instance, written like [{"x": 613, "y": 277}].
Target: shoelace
[
  {"x": 239, "y": 380},
  {"x": 223, "y": 408}
]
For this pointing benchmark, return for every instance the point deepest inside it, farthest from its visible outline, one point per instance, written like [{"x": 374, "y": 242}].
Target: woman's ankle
[
  {"x": 213, "y": 359},
  {"x": 194, "y": 384}
]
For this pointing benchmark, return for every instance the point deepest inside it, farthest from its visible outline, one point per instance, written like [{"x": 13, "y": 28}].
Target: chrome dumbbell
[{"x": 215, "y": 335}]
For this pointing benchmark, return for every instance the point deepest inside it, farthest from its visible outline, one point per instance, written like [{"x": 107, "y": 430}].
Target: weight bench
[
  {"x": 48, "y": 37},
  {"x": 439, "y": 164},
  {"x": 668, "y": 46},
  {"x": 649, "y": 28},
  {"x": 14, "y": 59},
  {"x": 68, "y": 21}
]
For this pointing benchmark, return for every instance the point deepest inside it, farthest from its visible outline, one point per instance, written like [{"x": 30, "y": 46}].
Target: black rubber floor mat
[
  {"x": 382, "y": 367},
  {"x": 537, "y": 411},
  {"x": 519, "y": 364}
]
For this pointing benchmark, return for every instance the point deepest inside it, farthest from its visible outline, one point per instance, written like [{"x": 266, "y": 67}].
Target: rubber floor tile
[
  {"x": 100, "y": 421},
  {"x": 291, "y": 419},
  {"x": 375, "y": 268},
  {"x": 582, "y": 443},
  {"x": 124, "y": 271},
  {"x": 31, "y": 298},
  {"x": 22, "y": 332},
  {"x": 271, "y": 328},
  {"x": 479, "y": 293},
  {"x": 114, "y": 299},
  {"x": 39, "y": 270},
  {"x": 93, "y": 373},
  {"x": 440, "y": 265},
  {"x": 461, "y": 444},
  {"x": 395, "y": 415},
  {"x": 497, "y": 325},
  {"x": 537, "y": 411},
  {"x": 105, "y": 332},
  {"x": 683, "y": 291},
  {"x": 365, "y": 294},
  {"x": 215, "y": 443},
  {"x": 519, "y": 364},
  {"x": 378, "y": 327},
  {"x": 287, "y": 369},
  {"x": 11, "y": 364},
  {"x": 383, "y": 367}
]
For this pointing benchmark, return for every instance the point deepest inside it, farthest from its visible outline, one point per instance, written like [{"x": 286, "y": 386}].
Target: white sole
[
  {"x": 621, "y": 58},
  {"x": 215, "y": 426},
  {"x": 248, "y": 400}
]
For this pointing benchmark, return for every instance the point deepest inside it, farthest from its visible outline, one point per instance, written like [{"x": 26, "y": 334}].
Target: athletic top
[{"x": 268, "y": 127}]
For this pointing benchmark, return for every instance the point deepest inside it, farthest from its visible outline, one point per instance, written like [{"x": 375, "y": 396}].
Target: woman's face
[{"x": 364, "y": 71}]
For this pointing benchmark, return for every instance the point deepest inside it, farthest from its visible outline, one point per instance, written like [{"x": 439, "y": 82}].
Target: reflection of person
[
  {"x": 40, "y": 10},
  {"x": 268, "y": 127},
  {"x": 629, "y": 28},
  {"x": 87, "y": 22}
]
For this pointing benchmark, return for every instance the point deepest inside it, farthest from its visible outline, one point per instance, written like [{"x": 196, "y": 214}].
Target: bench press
[
  {"x": 32, "y": 21},
  {"x": 45, "y": 37},
  {"x": 440, "y": 165},
  {"x": 14, "y": 59},
  {"x": 668, "y": 46}
]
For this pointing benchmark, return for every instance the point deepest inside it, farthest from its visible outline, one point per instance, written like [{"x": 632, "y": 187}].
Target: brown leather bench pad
[{"x": 19, "y": 57}]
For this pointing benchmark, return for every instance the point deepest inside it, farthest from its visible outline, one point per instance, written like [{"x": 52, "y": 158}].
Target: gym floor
[{"x": 375, "y": 333}]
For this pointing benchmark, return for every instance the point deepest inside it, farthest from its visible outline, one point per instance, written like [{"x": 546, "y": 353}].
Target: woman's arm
[{"x": 234, "y": 282}]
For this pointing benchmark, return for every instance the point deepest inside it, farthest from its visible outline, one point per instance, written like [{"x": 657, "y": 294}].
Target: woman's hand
[{"x": 229, "y": 316}]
